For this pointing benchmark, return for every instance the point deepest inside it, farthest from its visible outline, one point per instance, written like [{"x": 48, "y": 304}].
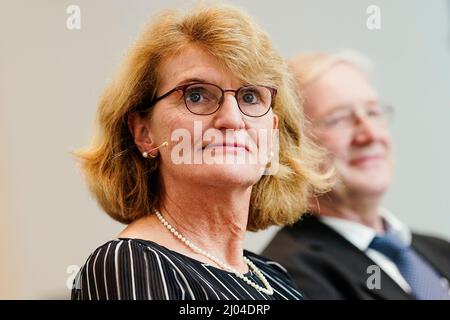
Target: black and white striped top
[{"x": 140, "y": 269}]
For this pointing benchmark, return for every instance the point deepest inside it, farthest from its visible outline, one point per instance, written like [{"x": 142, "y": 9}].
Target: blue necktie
[{"x": 425, "y": 282}]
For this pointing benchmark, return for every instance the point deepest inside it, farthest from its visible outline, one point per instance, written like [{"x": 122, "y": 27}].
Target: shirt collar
[
  {"x": 397, "y": 226},
  {"x": 360, "y": 235}
]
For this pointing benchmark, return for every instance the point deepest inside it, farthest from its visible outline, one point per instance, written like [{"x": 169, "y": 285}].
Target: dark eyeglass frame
[{"x": 273, "y": 93}]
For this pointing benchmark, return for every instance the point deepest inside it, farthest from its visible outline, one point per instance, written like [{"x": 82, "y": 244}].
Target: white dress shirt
[{"x": 361, "y": 236}]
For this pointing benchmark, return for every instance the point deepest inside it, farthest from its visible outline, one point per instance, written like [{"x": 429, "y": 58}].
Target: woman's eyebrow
[{"x": 192, "y": 80}]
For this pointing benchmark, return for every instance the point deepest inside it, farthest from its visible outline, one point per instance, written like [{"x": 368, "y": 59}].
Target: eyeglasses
[
  {"x": 206, "y": 98},
  {"x": 346, "y": 117}
]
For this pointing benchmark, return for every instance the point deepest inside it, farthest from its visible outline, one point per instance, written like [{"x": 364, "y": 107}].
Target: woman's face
[{"x": 226, "y": 148}]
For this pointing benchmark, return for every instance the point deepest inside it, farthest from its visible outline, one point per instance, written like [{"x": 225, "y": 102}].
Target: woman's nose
[{"x": 229, "y": 116}]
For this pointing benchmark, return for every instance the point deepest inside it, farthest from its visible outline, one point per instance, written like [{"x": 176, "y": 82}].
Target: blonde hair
[{"x": 127, "y": 186}]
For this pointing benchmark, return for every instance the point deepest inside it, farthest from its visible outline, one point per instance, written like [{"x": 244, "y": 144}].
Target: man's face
[{"x": 349, "y": 122}]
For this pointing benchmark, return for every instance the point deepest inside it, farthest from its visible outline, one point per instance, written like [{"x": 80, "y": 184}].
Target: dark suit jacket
[{"x": 327, "y": 266}]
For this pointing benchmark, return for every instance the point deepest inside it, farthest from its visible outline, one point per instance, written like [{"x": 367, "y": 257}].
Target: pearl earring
[
  {"x": 145, "y": 154},
  {"x": 269, "y": 162}
]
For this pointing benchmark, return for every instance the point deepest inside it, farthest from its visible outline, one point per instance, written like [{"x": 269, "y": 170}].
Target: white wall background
[{"x": 51, "y": 78}]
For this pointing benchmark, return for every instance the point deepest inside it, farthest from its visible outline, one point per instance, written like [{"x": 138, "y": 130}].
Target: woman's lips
[{"x": 226, "y": 147}]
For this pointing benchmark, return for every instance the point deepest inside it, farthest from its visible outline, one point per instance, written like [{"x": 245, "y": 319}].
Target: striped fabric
[{"x": 138, "y": 269}]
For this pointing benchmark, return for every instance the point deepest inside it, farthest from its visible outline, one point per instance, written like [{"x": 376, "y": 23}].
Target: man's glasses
[
  {"x": 346, "y": 117},
  {"x": 206, "y": 98}
]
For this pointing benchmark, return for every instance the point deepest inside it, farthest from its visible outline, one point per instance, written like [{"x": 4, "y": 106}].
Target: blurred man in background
[{"x": 350, "y": 247}]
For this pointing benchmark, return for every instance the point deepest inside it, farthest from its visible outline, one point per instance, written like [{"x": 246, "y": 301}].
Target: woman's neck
[{"x": 214, "y": 219}]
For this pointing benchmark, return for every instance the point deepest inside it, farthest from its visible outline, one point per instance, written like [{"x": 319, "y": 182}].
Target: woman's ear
[
  {"x": 275, "y": 121},
  {"x": 139, "y": 129}
]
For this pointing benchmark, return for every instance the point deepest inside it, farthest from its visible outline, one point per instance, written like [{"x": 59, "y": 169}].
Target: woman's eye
[
  {"x": 249, "y": 97},
  {"x": 195, "y": 97},
  {"x": 200, "y": 95}
]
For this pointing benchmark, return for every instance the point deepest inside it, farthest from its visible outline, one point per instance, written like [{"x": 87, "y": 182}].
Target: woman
[{"x": 213, "y": 78}]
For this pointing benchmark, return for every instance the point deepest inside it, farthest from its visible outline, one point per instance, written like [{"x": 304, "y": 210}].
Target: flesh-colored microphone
[{"x": 147, "y": 154}]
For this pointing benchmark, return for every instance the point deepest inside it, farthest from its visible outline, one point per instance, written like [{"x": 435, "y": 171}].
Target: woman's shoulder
[
  {"x": 120, "y": 249},
  {"x": 123, "y": 268},
  {"x": 130, "y": 242}
]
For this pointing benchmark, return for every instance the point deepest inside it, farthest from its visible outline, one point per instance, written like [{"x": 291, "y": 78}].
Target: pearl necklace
[{"x": 267, "y": 290}]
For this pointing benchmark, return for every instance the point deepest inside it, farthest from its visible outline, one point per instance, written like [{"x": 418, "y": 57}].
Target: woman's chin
[{"x": 230, "y": 174}]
